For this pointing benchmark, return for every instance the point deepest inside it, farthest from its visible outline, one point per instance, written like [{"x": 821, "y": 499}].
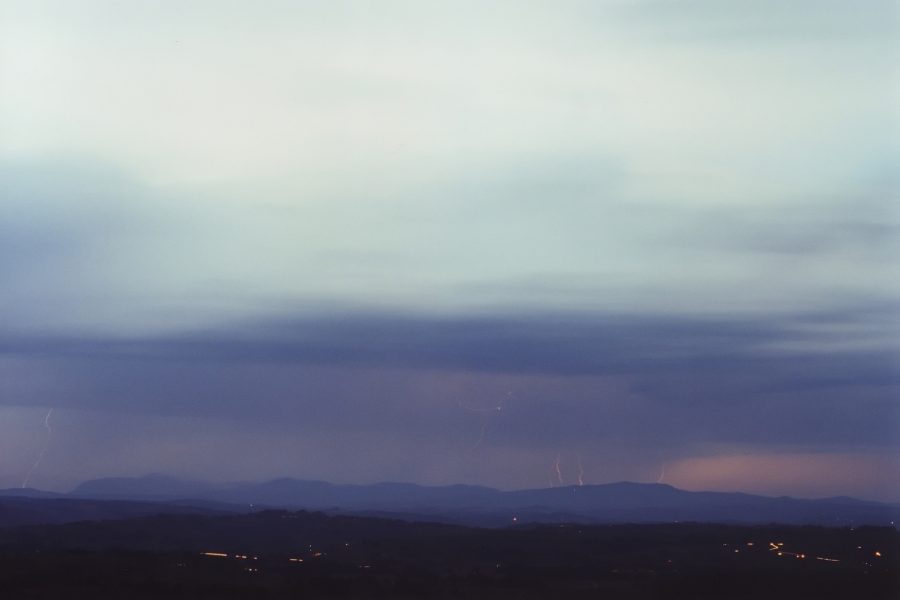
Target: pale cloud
[{"x": 318, "y": 98}]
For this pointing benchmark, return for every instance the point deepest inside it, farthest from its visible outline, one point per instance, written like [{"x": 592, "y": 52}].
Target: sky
[{"x": 452, "y": 242}]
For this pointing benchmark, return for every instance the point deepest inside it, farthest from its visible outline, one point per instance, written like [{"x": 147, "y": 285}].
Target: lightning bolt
[
  {"x": 557, "y": 471},
  {"x": 488, "y": 413},
  {"x": 484, "y": 427},
  {"x": 580, "y": 470},
  {"x": 43, "y": 451}
]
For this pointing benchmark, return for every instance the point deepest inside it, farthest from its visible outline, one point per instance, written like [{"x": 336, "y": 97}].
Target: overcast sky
[{"x": 450, "y": 242}]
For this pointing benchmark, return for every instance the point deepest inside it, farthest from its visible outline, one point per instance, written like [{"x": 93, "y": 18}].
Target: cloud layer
[{"x": 649, "y": 232}]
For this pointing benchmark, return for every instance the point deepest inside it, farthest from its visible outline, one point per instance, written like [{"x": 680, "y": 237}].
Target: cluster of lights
[
  {"x": 778, "y": 548},
  {"x": 249, "y": 557}
]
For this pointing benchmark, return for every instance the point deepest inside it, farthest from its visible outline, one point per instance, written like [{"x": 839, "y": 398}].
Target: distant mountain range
[{"x": 460, "y": 504}]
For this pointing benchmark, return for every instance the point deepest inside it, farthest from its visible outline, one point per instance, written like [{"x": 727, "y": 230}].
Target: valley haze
[{"x": 622, "y": 502}]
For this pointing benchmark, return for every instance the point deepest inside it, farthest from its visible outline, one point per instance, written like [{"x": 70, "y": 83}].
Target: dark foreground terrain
[{"x": 278, "y": 554}]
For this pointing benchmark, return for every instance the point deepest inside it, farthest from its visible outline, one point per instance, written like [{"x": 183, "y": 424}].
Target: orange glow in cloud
[{"x": 799, "y": 474}]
